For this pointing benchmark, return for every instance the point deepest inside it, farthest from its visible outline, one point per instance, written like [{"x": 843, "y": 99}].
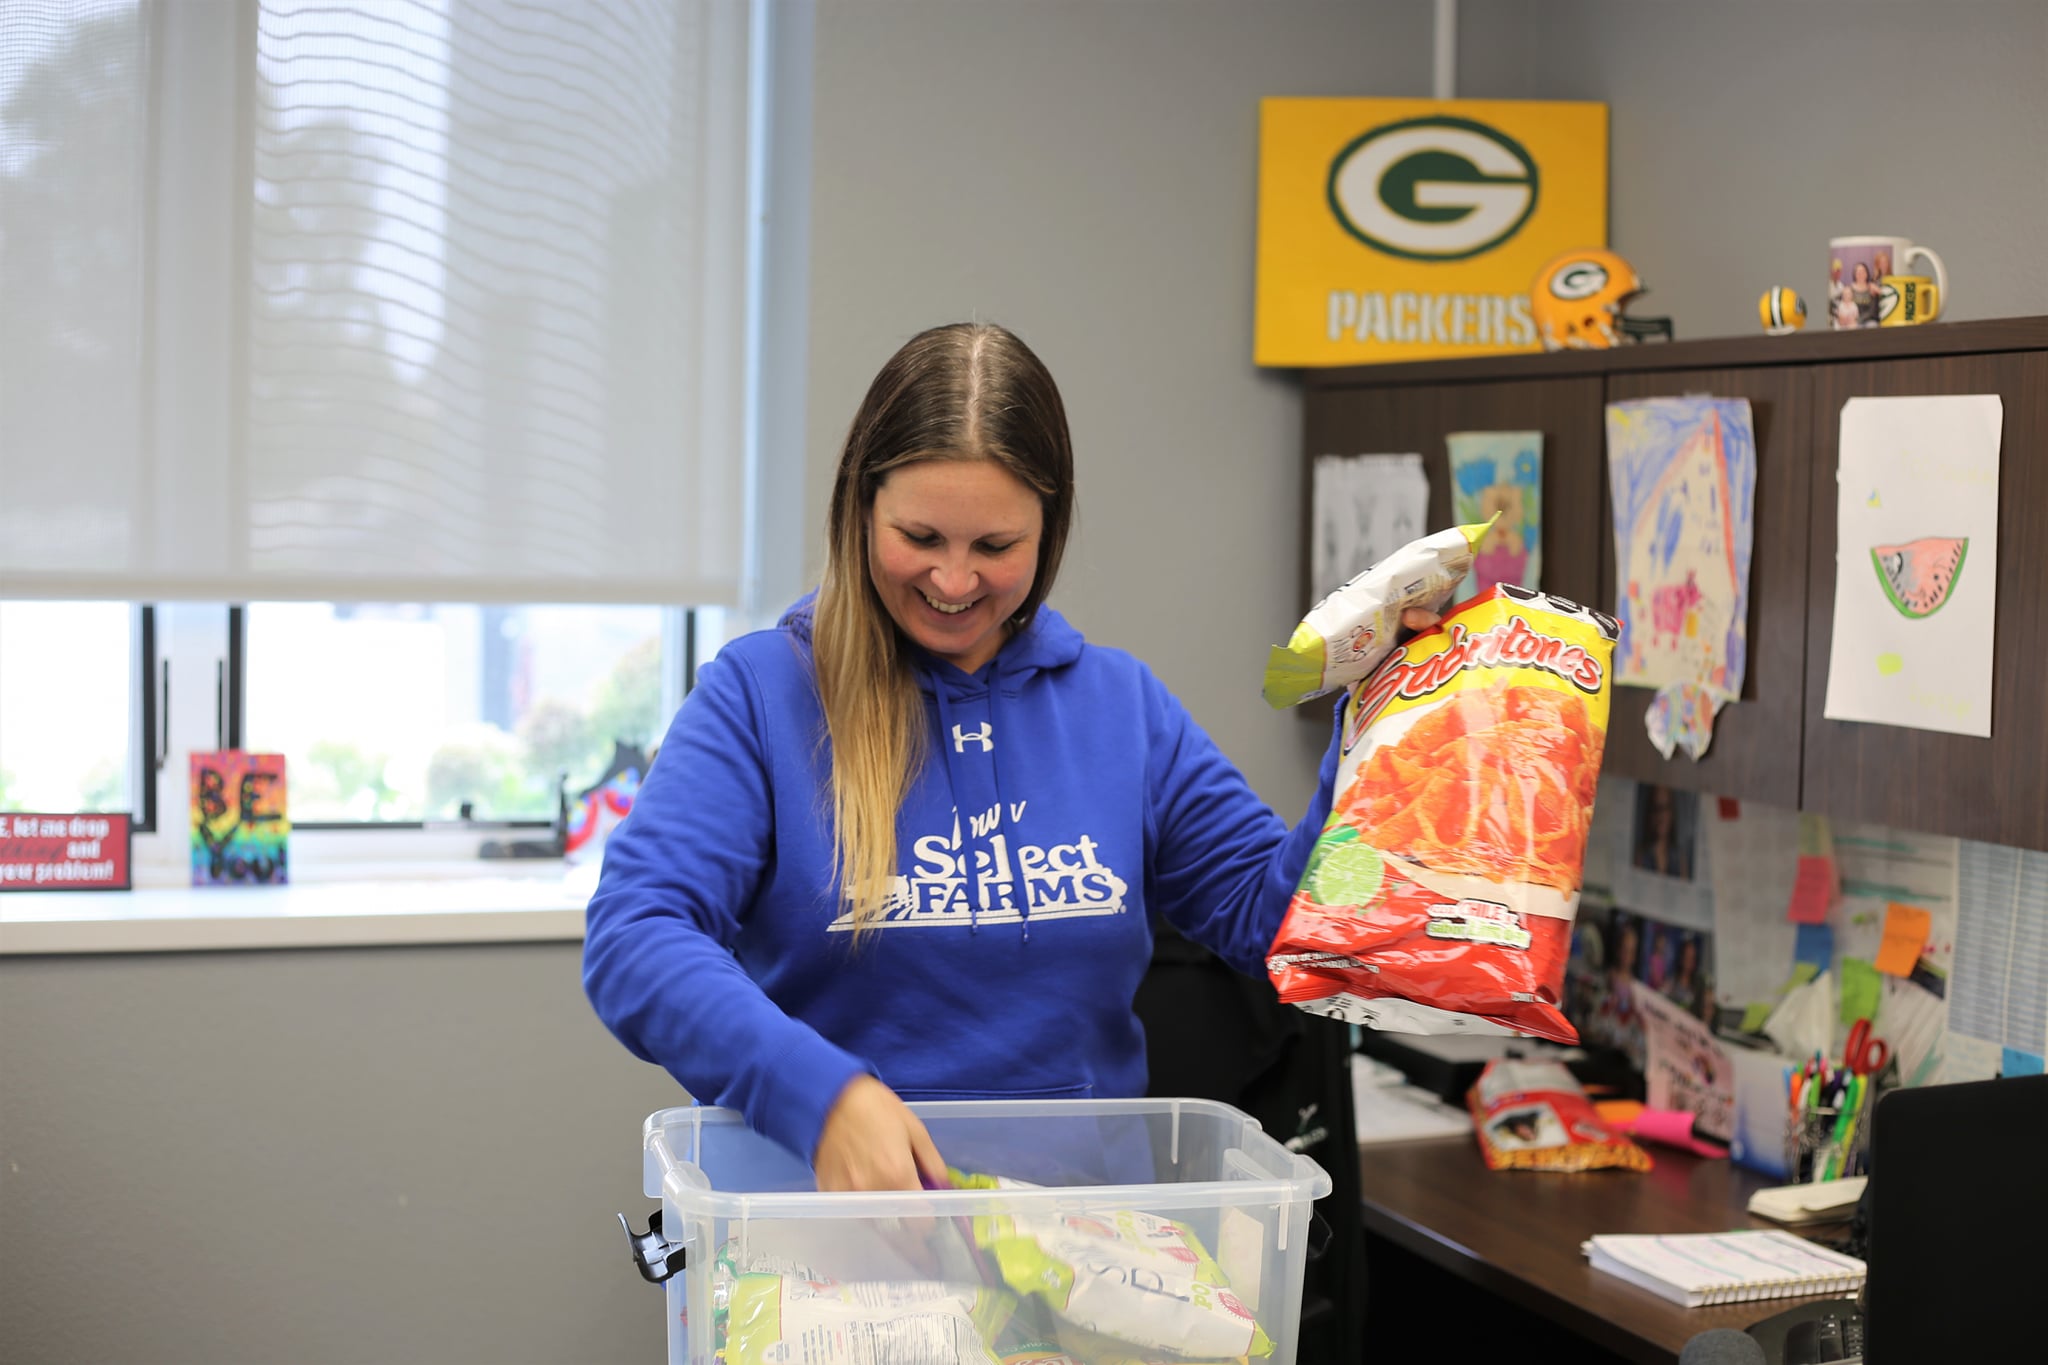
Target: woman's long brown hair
[{"x": 967, "y": 391}]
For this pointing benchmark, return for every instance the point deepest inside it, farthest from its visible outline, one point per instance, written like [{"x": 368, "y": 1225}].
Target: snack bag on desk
[
  {"x": 1443, "y": 887},
  {"x": 1534, "y": 1116}
]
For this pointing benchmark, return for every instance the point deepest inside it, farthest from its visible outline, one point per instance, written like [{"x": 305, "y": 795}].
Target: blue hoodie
[{"x": 1067, "y": 796}]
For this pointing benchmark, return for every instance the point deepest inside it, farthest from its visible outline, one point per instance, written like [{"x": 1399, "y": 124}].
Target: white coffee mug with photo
[{"x": 1856, "y": 269}]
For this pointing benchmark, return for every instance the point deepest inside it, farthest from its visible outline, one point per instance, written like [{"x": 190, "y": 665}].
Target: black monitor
[{"x": 1958, "y": 1214}]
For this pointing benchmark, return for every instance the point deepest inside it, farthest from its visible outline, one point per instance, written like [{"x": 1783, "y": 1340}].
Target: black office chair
[{"x": 1214, "y": 1034}]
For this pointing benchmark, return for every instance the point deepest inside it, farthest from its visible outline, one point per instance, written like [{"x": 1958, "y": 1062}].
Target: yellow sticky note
[{"x": 1905, "y": 934}]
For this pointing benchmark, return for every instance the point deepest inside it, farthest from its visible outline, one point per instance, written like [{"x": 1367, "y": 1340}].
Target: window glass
[
  {"x": 67, "y": 678},
  {"x": 408, "y": 712}
]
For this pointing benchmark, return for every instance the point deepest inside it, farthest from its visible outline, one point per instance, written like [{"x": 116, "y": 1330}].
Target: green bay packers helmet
[
  {"x": 1578, "y": 298},
  {"x": 1781, "y": 311}
]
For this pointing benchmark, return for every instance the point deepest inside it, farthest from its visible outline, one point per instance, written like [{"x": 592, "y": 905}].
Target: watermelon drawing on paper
[{"x": 1919, "y": 576}]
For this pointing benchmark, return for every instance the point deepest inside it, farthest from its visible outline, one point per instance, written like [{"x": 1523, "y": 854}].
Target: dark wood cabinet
[
  {"x": 1774, "y": 745},
  {"x": 1993, "y": 789},
  {"x": 1392, "y": 420}
]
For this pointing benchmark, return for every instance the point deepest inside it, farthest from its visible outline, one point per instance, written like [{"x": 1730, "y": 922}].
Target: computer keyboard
[
  {"x": 1836, "y": 1339},
  {"x": 1818, "y": 1332}
]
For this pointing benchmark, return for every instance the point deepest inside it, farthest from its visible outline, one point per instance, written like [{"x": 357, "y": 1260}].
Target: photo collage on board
[{"x": 1619, "y": 948}]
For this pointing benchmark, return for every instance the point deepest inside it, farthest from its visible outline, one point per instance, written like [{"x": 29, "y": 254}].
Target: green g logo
[{"x": 1433, "y": 189}]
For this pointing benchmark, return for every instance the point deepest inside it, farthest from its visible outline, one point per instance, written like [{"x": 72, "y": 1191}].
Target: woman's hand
[
  {"x": 871, "y": 1141},
  {"x": 1417, "y": 619}
]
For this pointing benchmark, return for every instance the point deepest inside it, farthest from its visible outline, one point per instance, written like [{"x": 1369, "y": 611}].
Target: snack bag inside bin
[
  {"x": 778, "y": 1319},
  {"x": 1135, "y": 1277},
  {"x": 1444, "y": 884}
]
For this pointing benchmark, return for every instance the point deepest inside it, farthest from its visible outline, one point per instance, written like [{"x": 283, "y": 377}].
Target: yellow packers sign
[{"x": 1412, "y": 229}]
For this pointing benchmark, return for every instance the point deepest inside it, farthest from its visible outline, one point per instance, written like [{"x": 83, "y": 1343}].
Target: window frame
[{"x": 145, "y": 760}]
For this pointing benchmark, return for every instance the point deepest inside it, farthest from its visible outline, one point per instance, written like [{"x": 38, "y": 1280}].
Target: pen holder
[{"x": 1808, "y": 1139}]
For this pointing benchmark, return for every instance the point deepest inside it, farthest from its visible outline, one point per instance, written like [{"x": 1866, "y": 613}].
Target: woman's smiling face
[{"x": 953, "y": 553}]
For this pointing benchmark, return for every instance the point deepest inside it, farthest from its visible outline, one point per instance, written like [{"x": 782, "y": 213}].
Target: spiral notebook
[{"x": 1726, "y": 1267}]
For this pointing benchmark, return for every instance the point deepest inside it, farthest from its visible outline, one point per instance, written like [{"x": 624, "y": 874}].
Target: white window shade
[
  {"x": 426, "y": 300},
  {"x": 72, "y": 277}
]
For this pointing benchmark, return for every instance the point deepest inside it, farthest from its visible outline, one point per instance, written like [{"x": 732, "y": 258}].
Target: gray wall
[
  {"x": 318, "y": 1156},
  {"x": 1745, "y": 133},
  {"x": 1084, "y": 173},
  {"x": 413, "y": 1154}
]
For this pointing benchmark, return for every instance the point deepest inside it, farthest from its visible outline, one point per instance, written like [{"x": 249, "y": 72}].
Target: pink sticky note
[
  {"x": 1673, "y": 1128},
  {"x": 1813, "y": 891}
]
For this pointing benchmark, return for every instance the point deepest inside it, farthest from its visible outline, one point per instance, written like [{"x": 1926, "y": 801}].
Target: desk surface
[{"x": 1517, "y": 1233}]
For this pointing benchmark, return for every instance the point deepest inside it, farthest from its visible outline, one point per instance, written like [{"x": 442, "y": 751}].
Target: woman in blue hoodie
[{"x": 904, "y": 845}]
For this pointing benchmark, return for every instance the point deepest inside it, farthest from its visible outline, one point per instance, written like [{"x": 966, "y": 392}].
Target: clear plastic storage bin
[{"x": 726, "y": 1190}]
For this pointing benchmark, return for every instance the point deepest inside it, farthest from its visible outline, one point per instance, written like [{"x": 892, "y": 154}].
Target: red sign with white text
[{"x": 63, "y": 852}]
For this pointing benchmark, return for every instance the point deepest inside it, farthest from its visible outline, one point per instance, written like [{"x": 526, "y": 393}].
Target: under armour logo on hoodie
[{"x": 985, "y": 737}]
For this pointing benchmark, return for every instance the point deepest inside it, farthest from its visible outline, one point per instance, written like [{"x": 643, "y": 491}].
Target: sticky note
[
  {"x": 1814, "y": 946},
  {"x": 2019, "y": 1063},
  {"x": 1813, "y": 890},
  {"x": 1860, "y": 987},
  {"x": 1731, "y": 809},
  {"x": 1753, "y": 1017},
  {"x": 1804, "y": 972},
  {"x": 1905, "y": 934},
  {"x": 1930, "y": 978}
]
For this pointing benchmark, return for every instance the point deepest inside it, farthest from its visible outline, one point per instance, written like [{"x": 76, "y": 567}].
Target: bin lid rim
[{"x": 1303, "y": 1188}]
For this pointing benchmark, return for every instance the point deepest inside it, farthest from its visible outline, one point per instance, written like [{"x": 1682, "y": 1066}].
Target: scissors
[{"x": 1867, "y": 1054}]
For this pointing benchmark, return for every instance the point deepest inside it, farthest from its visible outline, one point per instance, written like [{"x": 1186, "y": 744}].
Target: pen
[
  {"x": 1861, "y": 1086},
  {"x": 1809, "y": 1106},
  {"x": 1836, "y": 1151},
  {"x": 1857, "y": 1088},
  {"x": 1842, "y": 1134}
]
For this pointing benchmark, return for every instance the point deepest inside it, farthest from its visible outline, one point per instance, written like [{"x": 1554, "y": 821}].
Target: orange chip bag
[
  {"x": 1534, "y": 1116},
  {"x": 1445, "y": 882}
]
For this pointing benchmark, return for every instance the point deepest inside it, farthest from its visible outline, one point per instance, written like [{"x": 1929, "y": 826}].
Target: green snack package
[
  {"x": 967, "y": 1180},
  {"x": 1134, "y": 1276},
  {"x": 1039, "y": 1353},
  {"x": 1347, "y": 634},
  {"x": 728, "y": 1266}
]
